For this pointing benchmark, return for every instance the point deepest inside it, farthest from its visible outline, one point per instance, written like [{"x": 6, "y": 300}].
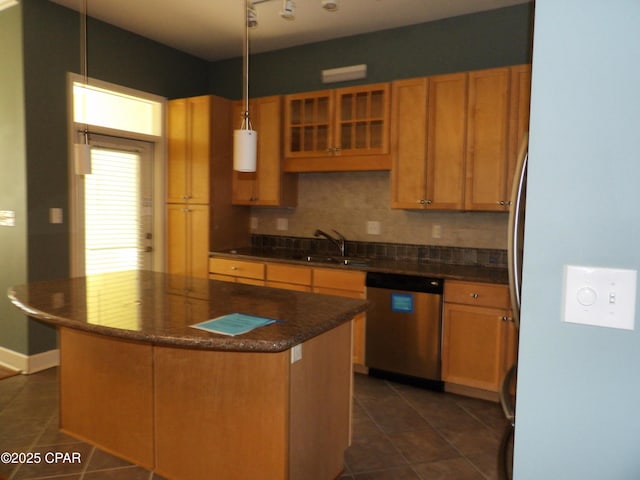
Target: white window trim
[{"x": 159, "y": 161}]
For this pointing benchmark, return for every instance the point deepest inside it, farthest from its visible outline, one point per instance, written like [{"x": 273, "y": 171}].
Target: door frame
[{"x": 76, "y": 232}]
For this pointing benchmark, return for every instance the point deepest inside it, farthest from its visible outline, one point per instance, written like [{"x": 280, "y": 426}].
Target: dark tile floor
[{"x": 399, "y": 433}]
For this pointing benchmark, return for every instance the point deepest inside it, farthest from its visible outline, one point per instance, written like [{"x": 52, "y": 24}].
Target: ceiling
[{"x": 213, "y": 29}]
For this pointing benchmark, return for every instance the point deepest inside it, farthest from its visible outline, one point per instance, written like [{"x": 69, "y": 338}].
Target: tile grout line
[
  {"x": 462, "y": 455},
  {"x": 386, "y": 435}
]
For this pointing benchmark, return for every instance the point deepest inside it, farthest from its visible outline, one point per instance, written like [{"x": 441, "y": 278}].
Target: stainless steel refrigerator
[{"x": 514, "y": 254}]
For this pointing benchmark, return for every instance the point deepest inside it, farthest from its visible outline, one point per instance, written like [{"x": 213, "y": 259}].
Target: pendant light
[
  {"x": 245, "y": 140},
  {"x": 82, "y": 150}
]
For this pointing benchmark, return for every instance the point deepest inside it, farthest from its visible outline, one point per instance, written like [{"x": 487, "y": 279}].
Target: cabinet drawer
[
  {"x": 338, "y": 292},
  {"x": 277, "y": 272},
  {"x": 237, "y": 268},
  {"x": 480, "y": 294},
  {"x": 338, "y": 279}
]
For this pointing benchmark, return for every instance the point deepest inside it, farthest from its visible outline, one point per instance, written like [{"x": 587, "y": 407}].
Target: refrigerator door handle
[
  {"x": 506, "y": 399},
  {"x": 515, "y": 224}
]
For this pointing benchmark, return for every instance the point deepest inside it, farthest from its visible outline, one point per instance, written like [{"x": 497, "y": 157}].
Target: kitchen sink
[{"x": 337, "y": 260}]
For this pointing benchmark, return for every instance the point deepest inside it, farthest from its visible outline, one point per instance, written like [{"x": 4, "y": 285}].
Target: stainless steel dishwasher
[{"x": 404, "y": 328}]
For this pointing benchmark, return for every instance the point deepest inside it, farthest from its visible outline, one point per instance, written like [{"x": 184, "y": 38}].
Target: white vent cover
[{"x": 342, "y": 74}]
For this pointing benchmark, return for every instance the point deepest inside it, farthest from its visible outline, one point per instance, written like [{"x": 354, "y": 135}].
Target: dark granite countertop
[
  {"x": 159, "y": 308},
  {"x": 441, "y": 270}
]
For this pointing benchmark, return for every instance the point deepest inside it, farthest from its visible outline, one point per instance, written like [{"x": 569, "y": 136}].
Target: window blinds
[{"x": 113, "y": 236}]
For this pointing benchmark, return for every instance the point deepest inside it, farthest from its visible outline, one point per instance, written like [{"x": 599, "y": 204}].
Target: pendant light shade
[
  {"x": 82, "y": 157},
  {"x": 245, "y": 140},
  {"x": 245, "y": 146}
]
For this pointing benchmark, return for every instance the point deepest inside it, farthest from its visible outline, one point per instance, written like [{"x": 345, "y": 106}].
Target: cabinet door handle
[{"x": 507, "y": 319}]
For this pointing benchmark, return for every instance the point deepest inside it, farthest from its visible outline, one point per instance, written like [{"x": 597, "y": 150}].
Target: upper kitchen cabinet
[
  {"x": 428, "y": 138},
  {"x": 200, "y": 216},
  {"x": 338, "y": 130},
  {"x": 498, "y": 120},
  {"x": 487, "y": 140},
  {"x": 269, "y": 185},
  {"x": 189, "y": 146},
  {"x": 455, "y": 138}
]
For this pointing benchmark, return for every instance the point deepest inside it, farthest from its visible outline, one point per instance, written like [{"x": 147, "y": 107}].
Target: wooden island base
[{"x": 193, "y": 414}]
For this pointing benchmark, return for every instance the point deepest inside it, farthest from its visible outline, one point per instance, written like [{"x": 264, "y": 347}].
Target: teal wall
[
  {"x": 13, "y": 183},
  {"x": 482, "y": 40},
  {"x": 46, "y": 40},
  {"x": 578, "y": 386}
]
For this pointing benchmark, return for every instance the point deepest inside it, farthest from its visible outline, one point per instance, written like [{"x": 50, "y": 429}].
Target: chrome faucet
[{"x": 338, "y": 241}]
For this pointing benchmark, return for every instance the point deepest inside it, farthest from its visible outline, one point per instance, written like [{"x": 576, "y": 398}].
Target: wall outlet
[
  {"x": 436, "y": 231},
  {"x": 373, "y": 228},
  {"x": 296, "y": 353},
  {"x": 253, "y": 223},
  {"x": 282, "y": 224}
]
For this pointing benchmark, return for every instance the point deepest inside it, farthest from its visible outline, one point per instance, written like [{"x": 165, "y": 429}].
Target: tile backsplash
[
  {"x": 348, "y": 201},
  {"x": 484, "y": 257}
]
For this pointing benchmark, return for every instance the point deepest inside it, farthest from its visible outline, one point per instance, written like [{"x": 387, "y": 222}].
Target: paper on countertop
[{"x": 234, "y": 324}]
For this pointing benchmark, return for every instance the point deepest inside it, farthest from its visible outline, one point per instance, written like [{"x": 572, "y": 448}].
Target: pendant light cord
[
  {"x": 246, "y": 122},
  {"x": 84, "y": 59}
]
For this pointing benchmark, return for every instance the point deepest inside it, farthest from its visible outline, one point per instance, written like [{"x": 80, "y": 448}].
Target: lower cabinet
[
  {"x": 479, "y": 339},
  {"x": 289, "y": 277},
  {"x": 478, "y": 335},
  {"x": 346, "y": 284},
  {"x": 238, "y": 271},
  {"x": 256, "y": 416},
  {"x": 330, "y": 281},
  {"x": 188, "y": 244}
]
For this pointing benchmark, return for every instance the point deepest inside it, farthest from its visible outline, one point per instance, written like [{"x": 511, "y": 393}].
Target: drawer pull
[
  {"x": 474, "y": 295},
  {"x": 234, "y": 268},
  {"x": 507, "y": 319}
]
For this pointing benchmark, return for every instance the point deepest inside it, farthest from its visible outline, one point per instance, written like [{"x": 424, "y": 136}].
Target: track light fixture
[
  {"x": 252, "y": 17},
  {"x": 287, "y": 12},
  {"x": 288, "y": 9},
  {"x": 330, "y": 5}
]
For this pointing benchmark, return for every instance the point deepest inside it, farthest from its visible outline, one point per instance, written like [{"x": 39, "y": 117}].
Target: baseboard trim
[{"x": 28, "y": 364}]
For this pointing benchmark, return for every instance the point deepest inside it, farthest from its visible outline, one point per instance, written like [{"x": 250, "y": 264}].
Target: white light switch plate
[
  {"x": 7, "y": 218},
  {"x": 55, "y": 215},
  {"x": 604, "y": 297}
]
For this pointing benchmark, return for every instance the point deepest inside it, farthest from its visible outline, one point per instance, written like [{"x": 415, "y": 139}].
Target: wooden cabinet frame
[
  {"x": 479, "y": 339},
  {"x": 186, "y": 413},
  {"x": 338, "y": 130},
  {"x": 269, "y": 185},
  {"x": 455, "y": 138},
  {"x": 200, "y": 217}
]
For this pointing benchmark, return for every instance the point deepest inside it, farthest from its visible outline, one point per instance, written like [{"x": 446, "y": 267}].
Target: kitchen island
[{"x": 138, "y": 381}]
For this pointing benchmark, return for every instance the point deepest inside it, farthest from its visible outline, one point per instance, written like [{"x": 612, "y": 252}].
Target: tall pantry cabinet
[{"x": 200, "y": 216}]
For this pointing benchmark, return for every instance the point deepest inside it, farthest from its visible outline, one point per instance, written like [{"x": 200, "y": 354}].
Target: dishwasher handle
[{"x": 409, "y": 283}]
